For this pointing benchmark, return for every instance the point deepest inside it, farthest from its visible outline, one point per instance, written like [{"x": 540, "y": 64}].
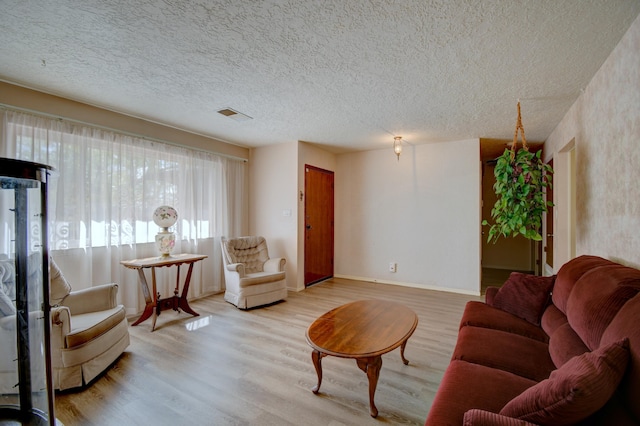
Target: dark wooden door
[
  {"x": 549, "y": 238},
  {"x": 318, "y": 225}
]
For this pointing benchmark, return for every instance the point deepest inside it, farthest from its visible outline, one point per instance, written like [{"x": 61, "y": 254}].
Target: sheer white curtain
[{"x": 105, "y": 189}]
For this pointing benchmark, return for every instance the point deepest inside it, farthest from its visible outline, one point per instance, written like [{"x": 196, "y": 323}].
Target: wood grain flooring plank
[{"x": 233, "y": 367}]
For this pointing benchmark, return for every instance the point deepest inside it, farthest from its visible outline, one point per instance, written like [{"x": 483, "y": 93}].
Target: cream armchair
[
  {"x": 89, "y": 330},
  {"x": 8, "y": 340},
  {"x": 251, "y": 277}
]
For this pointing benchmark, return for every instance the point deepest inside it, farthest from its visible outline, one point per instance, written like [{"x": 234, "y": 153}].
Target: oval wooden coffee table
[{"x": 364, "y": 330}]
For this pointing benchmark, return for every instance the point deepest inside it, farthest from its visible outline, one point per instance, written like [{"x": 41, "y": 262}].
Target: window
[{"x": 106, "y": 185}]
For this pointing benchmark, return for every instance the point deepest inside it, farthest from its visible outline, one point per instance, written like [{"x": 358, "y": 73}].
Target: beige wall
[
  {"x": 273, "y": 207},
  {"x": 276, "y": 208},
  {"x": 604, "y": 124},
  {"x": 422, "y": 212}
]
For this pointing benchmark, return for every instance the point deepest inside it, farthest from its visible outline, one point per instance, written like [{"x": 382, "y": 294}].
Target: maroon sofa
[{"x": 548, "y": 351}]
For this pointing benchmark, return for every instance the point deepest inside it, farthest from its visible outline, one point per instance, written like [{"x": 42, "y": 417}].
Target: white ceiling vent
[{"x": 235, "y": 115}]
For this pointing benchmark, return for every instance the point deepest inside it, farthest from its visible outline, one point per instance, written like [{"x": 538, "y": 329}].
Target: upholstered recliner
[
  {"x": 89, "y": 330},
  {"x": 8, "y": 322},
  {"x": 251, "y": 277}
]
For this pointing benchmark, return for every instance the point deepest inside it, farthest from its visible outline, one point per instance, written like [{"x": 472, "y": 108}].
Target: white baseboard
[{"x": 413, "y": 285}]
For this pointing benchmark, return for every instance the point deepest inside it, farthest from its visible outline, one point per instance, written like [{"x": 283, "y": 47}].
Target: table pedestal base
[
  {"x": 154, "y": 305},
  {"x": 371, "y": 367},
  {"x": 363, "y": 330}
]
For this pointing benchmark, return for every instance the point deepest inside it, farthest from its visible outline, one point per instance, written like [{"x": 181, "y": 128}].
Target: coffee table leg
[
  {"x": 316, "y": 356},
  {"x": 404, "y": 360},
  {"x": 372, "y": 367}
]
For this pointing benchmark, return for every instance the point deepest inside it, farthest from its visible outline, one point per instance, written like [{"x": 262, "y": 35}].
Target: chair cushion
[
  {"x": 525, "y": 296},
  {"x": 252, "y": 251},
  {"x": 6, "y": 305},
  {"x": 7, "y": 276},
  {"x": 261, "y": 278},
  {"x": 60, "y": 287},
  {"x": 574, "y": 391},
  {"x": 85, "y": 327}
]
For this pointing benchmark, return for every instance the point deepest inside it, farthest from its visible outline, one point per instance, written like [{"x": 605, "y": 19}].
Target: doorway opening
[
  {"x": 506, "y": 255},
  {"x": 565, "y": 194}
]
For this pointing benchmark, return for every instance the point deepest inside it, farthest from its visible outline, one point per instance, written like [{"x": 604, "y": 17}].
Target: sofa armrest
[
  {"x": 275, "y": 265},
  {"x": 237, "y": 267},
  {"x": 476, "y": 417},
  {"x": 92, "y": 299},
  {"x": 491, "y": 294}
]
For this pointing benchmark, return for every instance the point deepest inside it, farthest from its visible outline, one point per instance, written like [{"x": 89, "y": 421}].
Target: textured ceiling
[{"x": 347, "y": 74}]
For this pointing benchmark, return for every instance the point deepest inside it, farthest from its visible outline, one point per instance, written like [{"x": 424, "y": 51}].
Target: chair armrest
[
  {"x": 60, "y": 327},
  {"x": 491, "y": 294},
  {"x": 8, "y": 322},
  {"x": 274, "y": 265},
  {"x": 476, "y": 417},
  {"x": 92, "y": 299},
  {"x": 236, "y": 267}
]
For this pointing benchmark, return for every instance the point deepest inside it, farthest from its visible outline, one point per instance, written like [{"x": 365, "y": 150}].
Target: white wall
[
  {"x": 422, "y": 212},
  {"x": 605, "y": 124},
  {"x": 273, "y": 207}
]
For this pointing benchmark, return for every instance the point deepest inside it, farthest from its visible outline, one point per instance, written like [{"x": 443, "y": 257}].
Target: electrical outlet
[{"x": 393, "y": 267}]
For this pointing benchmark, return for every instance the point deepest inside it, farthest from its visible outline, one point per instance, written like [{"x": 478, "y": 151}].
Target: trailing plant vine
[{"x": 521, "y": 180}]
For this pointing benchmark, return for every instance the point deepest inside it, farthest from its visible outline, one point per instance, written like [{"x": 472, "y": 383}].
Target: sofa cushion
[
  {"x": 525, "y": 296},
  {"x": 569, "y": 273},
  {"x": 477, "y": 417},
  {"x": 626, "y": 324},
  {"x": 597, "y": 297},
  {"x": 505, "y": 351},
  {"x": 552, "y": 318},
  {"x": 574, "y": 391},
  {"x": 59, "y": 286},
  {"x": 480, "y": 314},
  {"x": 466, "y": 385},
  {"x": 564, "y": 344}
]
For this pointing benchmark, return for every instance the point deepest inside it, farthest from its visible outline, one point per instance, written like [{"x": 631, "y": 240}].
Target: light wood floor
[{"x": 233, "y": 367}]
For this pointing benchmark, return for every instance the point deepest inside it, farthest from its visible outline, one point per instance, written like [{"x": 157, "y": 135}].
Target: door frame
[{"x": 329, "y": 223}]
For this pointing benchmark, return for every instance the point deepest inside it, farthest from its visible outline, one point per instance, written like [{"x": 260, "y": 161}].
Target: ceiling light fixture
[{"x": 397, "y": 146}]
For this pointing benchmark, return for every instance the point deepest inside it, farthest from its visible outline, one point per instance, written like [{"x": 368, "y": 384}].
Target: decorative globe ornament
[{"x": 165, "y": 217}]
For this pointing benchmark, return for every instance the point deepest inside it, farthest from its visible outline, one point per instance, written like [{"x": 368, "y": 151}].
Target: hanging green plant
[{"x": 521, "y": 179}]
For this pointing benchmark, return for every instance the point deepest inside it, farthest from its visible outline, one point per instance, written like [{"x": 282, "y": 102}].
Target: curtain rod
[{"x": 123, "y": 132}]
